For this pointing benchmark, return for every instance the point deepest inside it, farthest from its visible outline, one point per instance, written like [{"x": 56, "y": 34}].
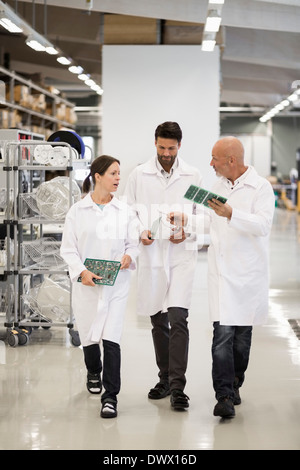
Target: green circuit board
[
  {"x": 191, "y": 192},
  {"x": 106, "y": 269},
  {"x": 202, "y": 196}
]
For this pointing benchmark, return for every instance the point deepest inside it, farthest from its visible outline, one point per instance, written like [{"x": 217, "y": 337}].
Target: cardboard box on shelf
[
  {"x": 38, "y": 130},
  {"x": 20, "y": 94},
  {"x": 71, "y": 115},
  {"x": 49, "y": 108},
  {"x": 4, "y": 119},
  {"x": 10, "y": 118},
  {"x": 2, "y": 90},
  {"x": 52, "y": 90},
  {"x": 15, "y": 119},
  {"x": 61, "y": 111},
  {"x": 39, "y": 102}
]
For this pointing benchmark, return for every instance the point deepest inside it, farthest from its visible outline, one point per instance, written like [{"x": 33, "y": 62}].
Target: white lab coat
[
  {"x": 165, "y": 270},
  {"x": 90, "y": 232},
  {"x": 238, "y": 255}
]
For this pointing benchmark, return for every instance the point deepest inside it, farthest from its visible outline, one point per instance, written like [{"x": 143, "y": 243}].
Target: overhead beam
[
  {"x": 251, "y": 14},
  {"x": 259, "y": 15},
  {"x": 262, "y": 47},
  {"x": 250, "y": 98},
  {"x": 258, "y": 86},
  {"x": 234, "y": 69},
  {"x": 187, "y": 10}
]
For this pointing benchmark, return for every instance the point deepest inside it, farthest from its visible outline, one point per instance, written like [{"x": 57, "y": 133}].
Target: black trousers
[
  {"x": 171, "y": 343},
  {"x": 111, "y": 377}
]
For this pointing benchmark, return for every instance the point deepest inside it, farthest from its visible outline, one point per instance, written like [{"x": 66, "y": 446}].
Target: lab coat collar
[
  {"x": 87, "y": 201},
  {"x": 182, "y": 168},
  {"x": 249, "y": 178}
]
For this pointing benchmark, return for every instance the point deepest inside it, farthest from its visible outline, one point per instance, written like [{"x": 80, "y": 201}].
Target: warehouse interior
[{"x": 45, "y": 405}]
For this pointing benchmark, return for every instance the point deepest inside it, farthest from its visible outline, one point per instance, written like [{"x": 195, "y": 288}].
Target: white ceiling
[{"x": 259, "y": 40}]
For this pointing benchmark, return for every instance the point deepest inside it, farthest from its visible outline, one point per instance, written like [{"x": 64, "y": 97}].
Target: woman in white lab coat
[{"x": 101, "y": 227}]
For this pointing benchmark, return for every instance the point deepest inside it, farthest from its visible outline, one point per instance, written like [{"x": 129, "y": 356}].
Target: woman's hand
[
  {"x": 87, "y": 278},
  {"x": 125, "y": 262}
]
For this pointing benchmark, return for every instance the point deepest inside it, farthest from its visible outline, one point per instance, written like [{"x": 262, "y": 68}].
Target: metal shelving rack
[
  {"x": 36, "y": 258},
  {"x": 45, "y": 120},
  {"x": 6, "y": 229}
]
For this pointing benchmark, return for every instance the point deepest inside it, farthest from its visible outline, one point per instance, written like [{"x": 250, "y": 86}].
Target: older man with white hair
[{"x": 237, "y": 266}]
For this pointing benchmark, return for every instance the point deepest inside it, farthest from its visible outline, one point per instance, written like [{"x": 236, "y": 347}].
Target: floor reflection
[{"x": 44, "y": 403}]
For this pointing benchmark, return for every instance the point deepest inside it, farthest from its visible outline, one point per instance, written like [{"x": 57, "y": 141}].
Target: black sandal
[
  {"x": 94, "y": 384},
  {"x": 109, "y": 408}
]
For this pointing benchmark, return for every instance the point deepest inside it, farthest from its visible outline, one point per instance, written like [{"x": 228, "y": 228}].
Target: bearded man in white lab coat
[
  {"x": 237, "y": 266},
  {"x": 167, "y": 261}
]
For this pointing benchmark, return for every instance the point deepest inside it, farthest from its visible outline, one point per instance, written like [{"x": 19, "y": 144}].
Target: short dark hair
[
  {"x": 99, "y": 165},
  {"x": 169, "y": 130}
]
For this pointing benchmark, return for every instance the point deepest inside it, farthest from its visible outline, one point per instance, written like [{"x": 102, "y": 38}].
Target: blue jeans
[{"x": 230, "y": 356}]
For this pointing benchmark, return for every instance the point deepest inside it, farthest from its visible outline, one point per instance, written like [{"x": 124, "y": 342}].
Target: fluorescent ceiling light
[
  {"x": 51, "y": 50},
  {"x": 10, "y": 26},
  {"x": 212, "y": 25},
  {"x": 39, "y": 43},
  {"x": 213, "y": 2},
  {"x": 279, "y": 107},
  {"x": 95, "y": 87},
  {"x": 292, "y": 97},
  {"x": 83, "y": 76},
  {"x": 90, "y": 82},
  {"x": 15, "y": 24},
  {"x": 208, "y": 45},
  {"x": 213, "y": 21},
  {"x": 63, "y": 60},
  {"x": 36, "y": 45},
  {"x": 75, "y": 69},
  {"x": 9, "y": 20}
]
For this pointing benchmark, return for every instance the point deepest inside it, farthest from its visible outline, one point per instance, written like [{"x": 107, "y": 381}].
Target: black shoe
[
  {"x": 237, "y": 399},
  {"x": 179, "y": 401},
  {"x": 224, "y": 408},
  {"x": 109, "y": 408},
  {"x": 93, "y": 383},
  {"x": 161, "y": 390}
]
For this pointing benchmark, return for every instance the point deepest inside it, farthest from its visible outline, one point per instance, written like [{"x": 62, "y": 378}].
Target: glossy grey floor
[{"x": 44, "y": 403}]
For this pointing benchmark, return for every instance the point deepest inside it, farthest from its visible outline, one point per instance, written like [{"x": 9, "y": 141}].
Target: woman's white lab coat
[
  {"x": 90, "y": 232},
  {"x": 238, "y": 255},
  {"x": 165, "y": 270}
]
